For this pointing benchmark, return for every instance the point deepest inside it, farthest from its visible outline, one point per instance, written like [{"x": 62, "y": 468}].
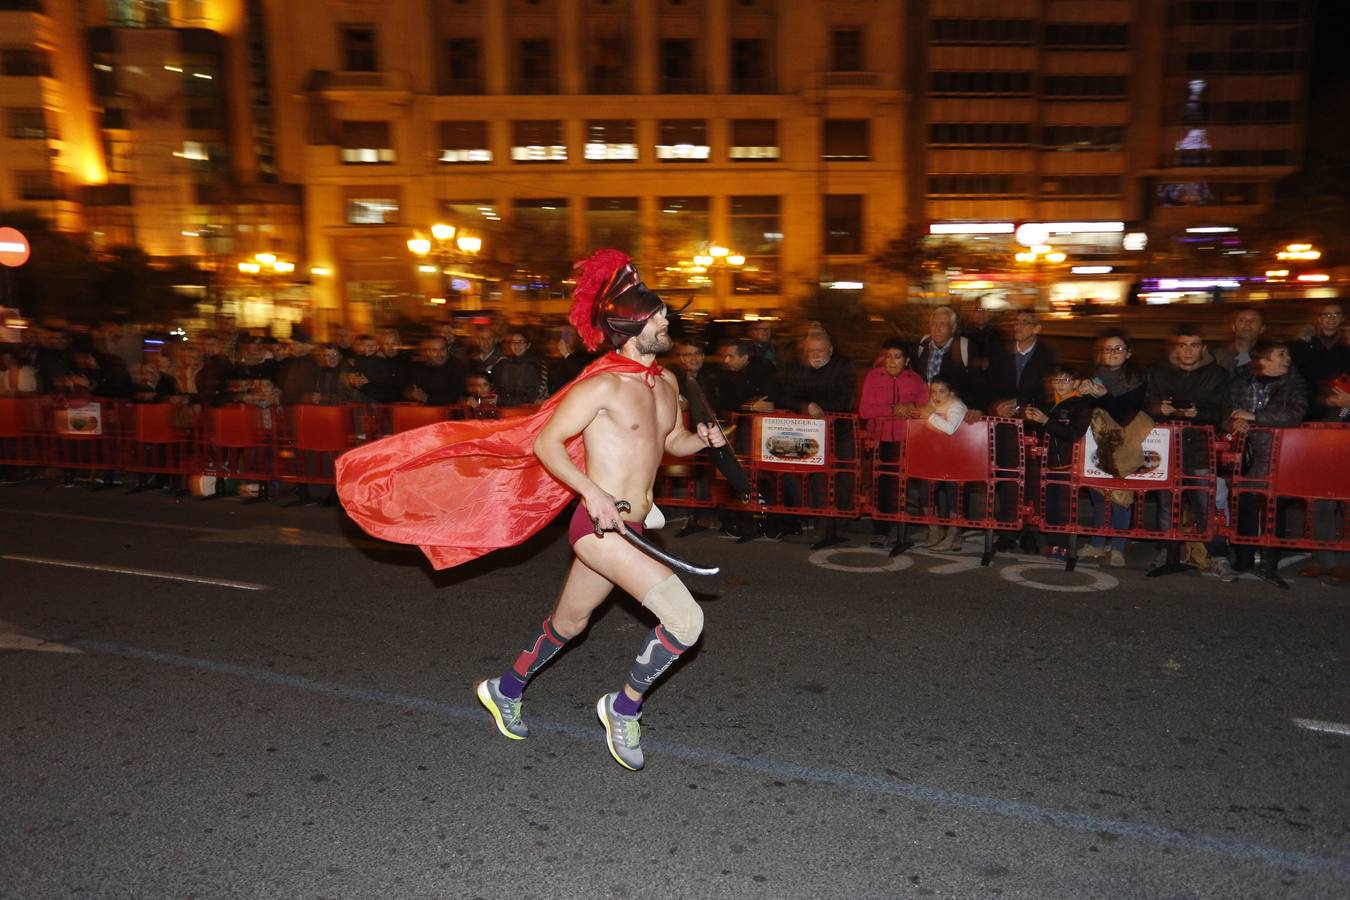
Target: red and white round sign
[{"x": 14, "y": 249}]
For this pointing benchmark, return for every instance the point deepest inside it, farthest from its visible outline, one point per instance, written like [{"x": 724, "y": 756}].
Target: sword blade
[{"x": 674, "y": 562}]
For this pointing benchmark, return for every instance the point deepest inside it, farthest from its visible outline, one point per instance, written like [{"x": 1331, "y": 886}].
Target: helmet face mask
[
  {"x": 610, "y": 302},
  {"x": 627, "y": 314}
]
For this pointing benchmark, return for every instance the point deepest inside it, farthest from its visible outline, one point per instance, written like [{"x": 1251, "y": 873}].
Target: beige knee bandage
[{"x": 677, "y": 610}]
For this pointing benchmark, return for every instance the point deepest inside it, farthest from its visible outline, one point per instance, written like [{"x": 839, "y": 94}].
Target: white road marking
[
  {"x": 1016, "y": 574},
  {"x": 137, "y": 523},
  {"x": 1327, "y": 727},
  {"x": 11, "y": 638},
  {"x": 146, "y": 573},
  {"x": 893, "y": 564}
]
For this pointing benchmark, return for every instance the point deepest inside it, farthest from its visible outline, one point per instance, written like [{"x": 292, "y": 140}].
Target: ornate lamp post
[
  {"x": 1039, "y": 256},
  {"x": 446, "y": 245},
  {"x": 718, "y": 266}
]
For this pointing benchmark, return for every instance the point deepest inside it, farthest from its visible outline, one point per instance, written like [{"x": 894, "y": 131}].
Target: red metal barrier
[
  {"x": 314, "y": 438},
  {"x": 392, "y": 418},
  {"x": 793, "y": 476},
  {"x": 236, "y": 441},
  {"x": 978, "y": 471},
  {"x": 1300, "y": 497},
  {"x": 81, "y": 435},
  {"x": 801, "y": 465},
  {"x": 156, "y": 439},
  {"x": 1166, "y": 483},
  {"x": 21, "y": 433}
]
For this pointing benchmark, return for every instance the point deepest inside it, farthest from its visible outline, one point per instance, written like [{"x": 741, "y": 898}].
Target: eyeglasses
[
  {"x": 1115, "y": 349},
  {"x": 1331, "y": 315}
]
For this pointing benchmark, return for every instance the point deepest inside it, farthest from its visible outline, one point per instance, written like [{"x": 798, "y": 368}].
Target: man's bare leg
[
  {"x": 657, "y": 588},
  {"x": 582, "y": 593}
]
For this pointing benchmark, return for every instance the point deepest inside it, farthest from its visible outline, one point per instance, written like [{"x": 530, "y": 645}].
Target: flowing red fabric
[{"x": 462, "y": 489}]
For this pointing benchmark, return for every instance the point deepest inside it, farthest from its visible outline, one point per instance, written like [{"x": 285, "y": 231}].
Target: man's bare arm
[{"x": 576, "y": 411}]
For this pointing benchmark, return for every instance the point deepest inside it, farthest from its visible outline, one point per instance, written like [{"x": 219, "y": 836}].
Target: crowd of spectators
[{"x": 953, "y": 374}]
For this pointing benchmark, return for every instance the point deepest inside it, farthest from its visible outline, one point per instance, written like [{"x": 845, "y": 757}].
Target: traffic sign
[{"x": 14, "y": 249}]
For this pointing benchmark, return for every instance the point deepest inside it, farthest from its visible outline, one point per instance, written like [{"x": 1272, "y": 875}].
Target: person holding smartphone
[{"x": 1188, "y": 390}]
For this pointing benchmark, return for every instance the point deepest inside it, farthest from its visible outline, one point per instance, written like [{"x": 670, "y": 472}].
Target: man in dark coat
[
  {"x": 747, "y": 383},
  {"x": 1267, "y": 393},
  {"x": 1019, "y": 369},
  {"x": 519, "y": 376},
  {"x": 1321, "y": 358},
  {"x": 823, "y": 383},
  {"x": 1186, "y": 389},
  {"x": 438, "y": 378}
]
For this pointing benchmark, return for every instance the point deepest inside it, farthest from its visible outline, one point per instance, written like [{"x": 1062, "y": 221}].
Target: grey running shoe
[
  {"x": 505, "y": 711},
  {"x": 623, "y": 734},
  {"x": 1224, "y": 571}
]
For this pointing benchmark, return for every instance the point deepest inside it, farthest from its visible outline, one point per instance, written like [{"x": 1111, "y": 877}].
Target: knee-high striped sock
[
  {"x": 542, "y": 647},
  {"x": 659, "y": 652}
]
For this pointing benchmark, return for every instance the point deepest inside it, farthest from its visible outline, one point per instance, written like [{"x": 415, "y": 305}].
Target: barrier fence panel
[
  {"x": 237, "y": 441},
  {"x": 310, "y": 439},
  {"x": 393, "y": 418},
  {"x": 1171, "y": 497},
  {"x": 801, "y": 465},
  {"x": 156, "y": 438},
  {"x": 690, "y": 481},
  {"x": 21, "y": 432},
  {"x": 971, "y": 478},
  {"x": 81, "y": 435},
  {"x": 1291, "y": 488}
]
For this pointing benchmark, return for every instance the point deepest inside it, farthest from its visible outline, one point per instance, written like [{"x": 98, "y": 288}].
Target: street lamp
[
  {"x": 267, "y": 268},
  {"x": 716, "y": 267},
  {"x": 1303, "y": 252},
  {"x": 447, "y": 245},
  {"x": 1039, "y": 255}
]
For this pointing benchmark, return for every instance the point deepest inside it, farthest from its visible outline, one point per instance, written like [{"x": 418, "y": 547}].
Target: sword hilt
[{"x": 622, "y": 506}]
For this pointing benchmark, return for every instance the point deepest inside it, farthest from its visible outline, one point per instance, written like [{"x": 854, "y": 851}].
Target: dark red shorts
[{"x": 582, "y": 525}]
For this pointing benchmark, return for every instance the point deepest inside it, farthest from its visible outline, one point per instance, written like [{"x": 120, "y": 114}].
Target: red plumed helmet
[{"x": 610, "y": 300}]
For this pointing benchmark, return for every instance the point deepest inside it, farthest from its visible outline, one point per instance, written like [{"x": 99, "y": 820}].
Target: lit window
[
  {"x": 683, "y": 140},
  {"x": 375, "y": 211},
  {"x": 538, "y": 141},
  {"x": 754, "y": 140},
  {"x": 465, "y": 142}
]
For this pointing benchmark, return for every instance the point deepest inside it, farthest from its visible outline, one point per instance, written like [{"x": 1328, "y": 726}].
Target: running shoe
[
  {"x": 505, "y": 711},
  {"x": 1224, "y": 571},
  {"x": 623, "y": 734}
]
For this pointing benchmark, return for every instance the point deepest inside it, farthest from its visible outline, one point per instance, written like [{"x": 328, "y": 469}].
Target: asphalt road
[{"x": 304, "y": 725}]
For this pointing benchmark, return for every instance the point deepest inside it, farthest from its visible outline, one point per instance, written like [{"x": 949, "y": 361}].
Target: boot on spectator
[{"x": 950, "y": 541}]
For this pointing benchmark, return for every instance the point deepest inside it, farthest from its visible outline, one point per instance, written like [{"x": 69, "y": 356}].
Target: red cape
[{"x": 462, "y": 489}]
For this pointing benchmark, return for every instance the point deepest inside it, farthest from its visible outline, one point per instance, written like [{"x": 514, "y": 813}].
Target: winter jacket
[
  {"x": 1206, "y": 387},
  {"x": 1277, "y": 402},
  {"x": 830, "y": 386},
  {"x": 881, "y": 392}
]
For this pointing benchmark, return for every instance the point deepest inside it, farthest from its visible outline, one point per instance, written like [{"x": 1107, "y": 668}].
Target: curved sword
[{"x": 652, "y": 550}]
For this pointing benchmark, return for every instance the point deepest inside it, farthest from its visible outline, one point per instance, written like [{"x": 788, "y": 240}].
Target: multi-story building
[
  {"x": 134, "y": 121},
  {"x": 803, "y": 137},
  {"x": 1101, "y": 118},
  {"x": 547, "y": 127}
]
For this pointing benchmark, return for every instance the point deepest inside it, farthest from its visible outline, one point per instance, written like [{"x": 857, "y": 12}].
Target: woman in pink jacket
[{"x": 891, "y": 393}]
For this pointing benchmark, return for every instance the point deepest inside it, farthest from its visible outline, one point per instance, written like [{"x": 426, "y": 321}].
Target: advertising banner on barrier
[
  {"x": 784, "y": 441},
  {"x": 1156, "y": 457},
  {"x": 82, "y": 420}
]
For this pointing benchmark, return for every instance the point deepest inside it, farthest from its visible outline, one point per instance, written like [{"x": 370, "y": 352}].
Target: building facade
[{"x": 801, "y": 139}]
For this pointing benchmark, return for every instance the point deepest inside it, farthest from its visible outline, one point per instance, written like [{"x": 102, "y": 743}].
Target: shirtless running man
[{"x": 628, "y": 420}]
